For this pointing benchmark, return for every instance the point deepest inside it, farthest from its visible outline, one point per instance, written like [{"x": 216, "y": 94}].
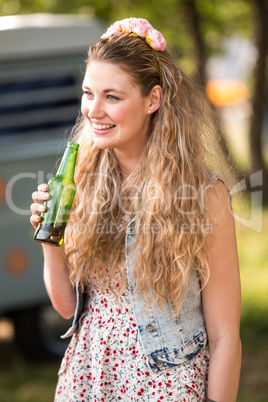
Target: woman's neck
[{"x": 127, "y": 162}]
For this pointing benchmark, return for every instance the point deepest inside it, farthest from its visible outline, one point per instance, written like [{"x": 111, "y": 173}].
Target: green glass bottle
[{"x": 62, "y": 190}]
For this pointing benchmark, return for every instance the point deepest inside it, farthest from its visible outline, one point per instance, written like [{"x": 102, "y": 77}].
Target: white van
[{"x": 41, "y": 70}]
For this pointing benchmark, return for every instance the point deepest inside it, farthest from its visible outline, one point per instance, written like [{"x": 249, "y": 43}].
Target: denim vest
[{"x": 167, "y": 341}]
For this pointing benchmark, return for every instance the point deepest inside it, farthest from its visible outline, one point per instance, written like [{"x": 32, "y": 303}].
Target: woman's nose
[{"x": 95, "y": 109}]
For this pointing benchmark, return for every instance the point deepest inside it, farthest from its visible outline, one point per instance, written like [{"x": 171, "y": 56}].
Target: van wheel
[{"x": 38, "y": 331}]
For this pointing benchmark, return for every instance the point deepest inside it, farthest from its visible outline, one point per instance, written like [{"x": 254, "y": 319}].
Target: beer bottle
[{"x": 62, "y": 190}]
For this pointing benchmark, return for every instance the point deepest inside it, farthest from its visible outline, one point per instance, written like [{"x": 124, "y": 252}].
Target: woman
[{"x": 149, "y": 266}]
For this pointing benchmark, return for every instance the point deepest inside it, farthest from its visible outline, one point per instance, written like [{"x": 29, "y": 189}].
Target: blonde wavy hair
[{"x": 165, "y": 193}]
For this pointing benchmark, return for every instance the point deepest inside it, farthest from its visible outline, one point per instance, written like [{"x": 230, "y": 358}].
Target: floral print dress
[{"x": 105, "y": 360}]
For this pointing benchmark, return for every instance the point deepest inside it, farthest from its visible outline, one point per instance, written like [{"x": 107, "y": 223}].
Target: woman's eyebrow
[
  {"x": 106, "y": 90},
  {"x": 113, "y": 90}
]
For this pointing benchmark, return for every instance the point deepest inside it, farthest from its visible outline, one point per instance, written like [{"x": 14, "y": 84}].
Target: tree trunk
[
  {"x": 194, "y": 21},
  {"x": 258, "y": 98}
]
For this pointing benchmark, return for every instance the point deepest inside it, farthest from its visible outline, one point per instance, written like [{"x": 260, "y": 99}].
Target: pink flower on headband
[
  {"x": 155, "y": 39},
  {"x": 140, "y": 27},
  {"x": 125, "y": 25}
]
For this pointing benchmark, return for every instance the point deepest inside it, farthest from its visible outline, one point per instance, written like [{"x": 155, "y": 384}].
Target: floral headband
[{"x": 138, "y": 27}]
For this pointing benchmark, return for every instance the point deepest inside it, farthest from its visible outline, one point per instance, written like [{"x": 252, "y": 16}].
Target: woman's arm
[
  {"x": 222, "y": 301},
  {"x": 56, "y": 276}
]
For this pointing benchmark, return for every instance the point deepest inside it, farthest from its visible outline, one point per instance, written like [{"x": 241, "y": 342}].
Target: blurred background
[{"x": 223, "y": 45}]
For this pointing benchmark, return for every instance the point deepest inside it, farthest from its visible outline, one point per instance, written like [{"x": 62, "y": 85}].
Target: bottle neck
[{"x": 67, "y": 164}]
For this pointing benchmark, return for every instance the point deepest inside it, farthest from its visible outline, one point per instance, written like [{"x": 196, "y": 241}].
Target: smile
[{"x": 103, "y": 126}]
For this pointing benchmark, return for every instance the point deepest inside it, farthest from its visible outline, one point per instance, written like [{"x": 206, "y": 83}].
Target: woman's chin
[{"x": 102, "y": 144}]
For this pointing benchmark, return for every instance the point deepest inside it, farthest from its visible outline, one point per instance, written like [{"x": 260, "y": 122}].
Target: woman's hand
[{"x": 37, "y": 207}]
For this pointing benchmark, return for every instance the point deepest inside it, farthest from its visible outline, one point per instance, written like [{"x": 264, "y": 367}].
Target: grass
[
  {"x": 22, "y": 382},
  {"x": 253, "y": 382}
]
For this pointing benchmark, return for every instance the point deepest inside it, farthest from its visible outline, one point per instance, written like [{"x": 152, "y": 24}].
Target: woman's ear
[{"x": 154, "y": 99}]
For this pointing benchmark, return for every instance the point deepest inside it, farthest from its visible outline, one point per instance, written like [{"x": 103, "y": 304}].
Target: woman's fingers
[
  {"x": 36, "y": 210},
  {"x": 41, "y": 194},
  {"x": 37, "y": 206},
  {"x": 42, "y": 187},
  {"x": 35, "y": 219}
]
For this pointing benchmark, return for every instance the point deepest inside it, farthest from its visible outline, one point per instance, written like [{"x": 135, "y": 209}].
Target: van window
[{"x": 39, "y": 104}]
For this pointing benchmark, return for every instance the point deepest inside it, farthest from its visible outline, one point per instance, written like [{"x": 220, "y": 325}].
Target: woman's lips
[{"x": 102, "y": 128}]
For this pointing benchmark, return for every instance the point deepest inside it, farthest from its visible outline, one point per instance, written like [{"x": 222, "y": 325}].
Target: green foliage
[
  {"x": 253, "y": 258},
  {"x": 220, "y": 18}
]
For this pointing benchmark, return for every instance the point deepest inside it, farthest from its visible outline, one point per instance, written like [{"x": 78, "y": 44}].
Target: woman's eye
[
  {"x": 88, "y": 94},
  {"x": 112, "y": 98}
]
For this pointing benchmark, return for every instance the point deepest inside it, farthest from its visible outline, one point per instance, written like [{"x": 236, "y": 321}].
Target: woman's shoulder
[
  {"x": 214, "y": 176},
  {"x": 218, "y": 183},
  {"x": 218, "y": 198}
]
